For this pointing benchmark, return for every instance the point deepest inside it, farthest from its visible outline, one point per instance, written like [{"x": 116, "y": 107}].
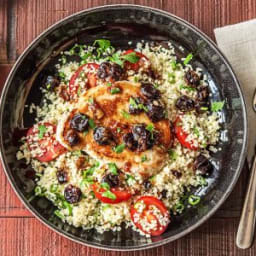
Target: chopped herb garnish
[
  {"x": 68, "y": 206},
  {"x": 171, "y": 78},
  {"x": 196, "y": 131},
  {"x": 188, "y": 88},
  {"x": 179, "y": 207},
  {"x": 103, "y": 44},
  {"x": 109, "y": 195},
  {"x": 105, "y": 206},
  {"x": 53, "y": 188},
  {"x": 150, "y": 127},
  {"x": 174, "y": 65},
  {"x": 91, "y": 124},
  {"x": 109, "y": 84},
  {"x": 105, "y": 185},
  {"x": 115, "y": 90},
  {"x": 62, "y": 75},
  {"x": 144, "y": 158},
  {"x": 63, "y": 59},
  {"x": 39, "y": 191},
  {"x": 91, "y": 100},
  {"x": 118, "y": 129},
  {"x": 48, "y": 86},
  {"x": 193, "y": 199},
  {"x": 125, "y": 114},
  {"x": 204, "y": 108},
  {"x": 116, "y": 59},
  {"x": 42, "y": 130},
  {"x": 119, "y": 149},
  {"x": 112, "y": 168},
  {"x": 172, "y": 154},
  {"x": 188, "y": 59},
  {"x": 131, "y": 57},
  {"x": 202, "y": 181},
  {"x": 59, "y": 214},
  {"x": 217, "y": 105},
  {"x": 129, "y": 179}
]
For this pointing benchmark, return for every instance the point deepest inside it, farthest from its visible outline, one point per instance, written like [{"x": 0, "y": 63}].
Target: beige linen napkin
[{"x": 238, "y": 43}]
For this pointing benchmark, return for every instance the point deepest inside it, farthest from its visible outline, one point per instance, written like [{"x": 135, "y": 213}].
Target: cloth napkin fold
[{"x": 238, "y": 43}]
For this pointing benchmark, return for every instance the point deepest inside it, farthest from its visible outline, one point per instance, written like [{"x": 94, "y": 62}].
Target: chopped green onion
[
  {"x": 112, "y": 168},
  {"x": 204, "y": 108},
  {"x": 125, "y": 114},
  {"x": 202, "y": 181},
  {"x": 188, "y": 88},
  {"x": 53, "y": 188},
  {"x": 91, "y": 124},
  {"x": 174, "y": 65},
  {"x": 39, "y": 191},
  {"x": 119, "y": 149},
  {"x": 179, "y": 207},
  {"x": 115, "y": 90},
  {"x": 144, "y": 158},
  {"x": 172, "y": 154},
  {"x": 59, "y": 214},
  {"x": 188, "y": 59},
  {"x": 69, "y": 207},
  {"x": 217, "y": 105},
  {"x": 194, "y": 200},
  {"x": 42, "y": 130},
  {"x": 129, "y": 179},
  {"x": 196, "y": 131},
  {"x": 91, "y": 100},
  {"x": 109, "y": 195},
  {"x": 109, "y": 84}
]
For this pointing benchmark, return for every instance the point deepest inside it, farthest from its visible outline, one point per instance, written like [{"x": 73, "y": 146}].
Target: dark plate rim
[{"x": 153, "y": 244}]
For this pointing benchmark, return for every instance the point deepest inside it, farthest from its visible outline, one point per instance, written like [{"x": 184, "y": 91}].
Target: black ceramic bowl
[{"x": 120, "y": 24}]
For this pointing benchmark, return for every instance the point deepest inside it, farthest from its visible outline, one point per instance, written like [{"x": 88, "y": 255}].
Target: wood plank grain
[
  {"x": 3, "y": 31},
  {"x": 20, "y": 235}
]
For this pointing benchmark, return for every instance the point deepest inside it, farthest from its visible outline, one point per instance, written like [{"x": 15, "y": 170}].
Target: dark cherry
[
  {"x": 149, "y": 91},
  {"x": 72, "y": 194},
  {"x": 80, "y": 122},
  {"x": 156, "y": 110},
  {"x": 111, "y": 179},
  {"x": 110, "y": 70},
  {"x": 143, "y": 137},
  {"x": 147, "y": 184},
  {"x": 130, "y": 142},
  {"x": 177, "y": 174},
  {"x": 102, "y": 135},
  {"x": 51, "y": 82},
  {"x": 192, "y": 78},
  {"x": 62, "y": 176},
  {"x": 72, "y": 138},
  {"x": 203, "y": 165},
  {"x": 185, "y": 104},
  {"x": 164, "y": 193}
]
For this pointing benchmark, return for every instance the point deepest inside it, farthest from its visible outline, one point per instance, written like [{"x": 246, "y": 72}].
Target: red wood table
[{"x": 20, "y": 233}]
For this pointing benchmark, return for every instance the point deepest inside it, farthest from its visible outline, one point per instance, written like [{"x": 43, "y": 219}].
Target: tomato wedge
[
  {"x": 91, "y": 76},
  {"x": 138, "y": 64},
  {"x": 120, "y": 195},
  {"x": 150, "y": 215},
  {"x": 182, "y": 136},
  {"x": 49, "y": 147}
]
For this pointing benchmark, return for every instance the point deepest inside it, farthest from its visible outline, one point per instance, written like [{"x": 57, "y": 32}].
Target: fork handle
[{"x": 246, "y": 226}]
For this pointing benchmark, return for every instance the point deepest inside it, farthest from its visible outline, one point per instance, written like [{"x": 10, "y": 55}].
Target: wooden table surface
[{"x": 20, "y": 233}]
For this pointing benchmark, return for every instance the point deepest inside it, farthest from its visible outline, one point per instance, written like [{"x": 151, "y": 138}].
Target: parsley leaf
[
  {"x": 112, "y": 168},
  {"x": 42, "y": 130},
  {"x": 125, "y": 114},
  {"x": 105, "y": 185},
  {"x": 144, "y": 158},
  {"x": 103, "y": 44},
  {"x": 109, "y": 195},
  {"x": 188, "y": 59},
  {"x": 131, "y": 57},
  {"x": 217, "y": 105},
  {"x": 119, "y": 148}
]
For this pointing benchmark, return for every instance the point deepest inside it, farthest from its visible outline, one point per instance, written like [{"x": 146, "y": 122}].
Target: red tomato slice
[
  {"x": 48, "y": 144},
  {"x": 147, "y": 214},
  {"x": 92, "y": 79},
  {"x": 138, "y": 64},
  {"x": 121, "y": 195},
  {"x": 181, "y": 136}
]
